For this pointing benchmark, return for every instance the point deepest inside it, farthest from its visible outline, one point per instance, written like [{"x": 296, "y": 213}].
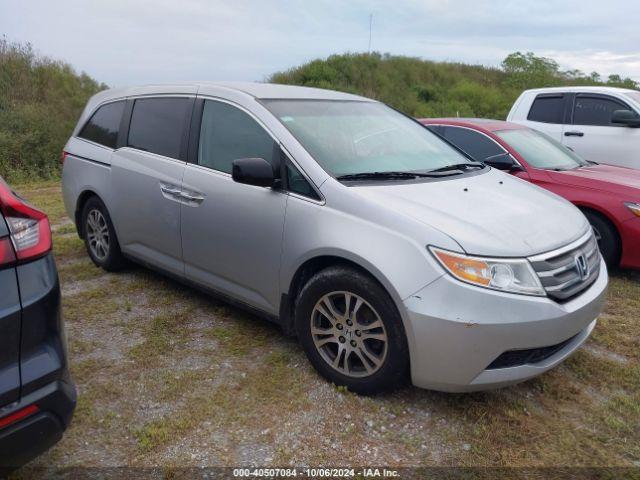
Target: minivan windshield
[
  {"x": 358, "y": 137},
  {"x": 540, "y": 150}
]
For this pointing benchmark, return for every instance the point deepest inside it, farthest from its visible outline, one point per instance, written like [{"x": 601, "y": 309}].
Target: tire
[
  {"x": 100, "y": 236},
  {"x": 373, "y": 358},
  {"x": 607, "y": 236}
]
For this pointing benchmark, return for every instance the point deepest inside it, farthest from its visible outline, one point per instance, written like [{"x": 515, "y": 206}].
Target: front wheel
[
  {"x": 351, "y": 331},
  {"x": 607, "y": 238}
]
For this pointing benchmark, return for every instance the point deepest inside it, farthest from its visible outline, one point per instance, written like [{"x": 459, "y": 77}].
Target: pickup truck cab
[{"x": 598, "y": 123}]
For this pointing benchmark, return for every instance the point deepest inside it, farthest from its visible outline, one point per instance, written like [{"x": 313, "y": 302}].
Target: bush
[
  {"x": 433, "y": 89},
  {"x": 41, "y": 99},
  {"x": 40, "y": 102}
]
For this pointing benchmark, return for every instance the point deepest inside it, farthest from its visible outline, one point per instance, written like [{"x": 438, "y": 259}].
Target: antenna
[{"x": 370, "y": 22}]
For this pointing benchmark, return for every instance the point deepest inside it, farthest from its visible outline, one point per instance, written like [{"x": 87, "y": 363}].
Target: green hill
[
  {"x": 424, "y": 88},
  {"x": 41, "y": 99},
  {"x": 40, "y": 102}
]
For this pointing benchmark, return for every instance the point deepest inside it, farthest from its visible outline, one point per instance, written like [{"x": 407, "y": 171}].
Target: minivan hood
[{"x": 490, "y": 214}]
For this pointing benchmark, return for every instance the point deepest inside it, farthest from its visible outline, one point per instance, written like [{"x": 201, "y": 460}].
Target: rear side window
[
  {"x": 596, "y": 110},
  {"x": 157, "y": 125},
  {"x": 227, "y": 134},
  {"x": 547, "y": 109},
  {"x": 103, "y": 125},
  {"x": 475, "y": 144}
]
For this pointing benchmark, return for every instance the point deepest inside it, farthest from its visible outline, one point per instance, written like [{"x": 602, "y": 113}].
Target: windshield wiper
[
  {"x": 458, "y": 166},
  {"x": 393, "y": 175},
  {"x": 379, "y": 176}
]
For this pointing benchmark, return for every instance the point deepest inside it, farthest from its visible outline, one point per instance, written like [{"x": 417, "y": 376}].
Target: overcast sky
[{"x": 127, "y": 42}]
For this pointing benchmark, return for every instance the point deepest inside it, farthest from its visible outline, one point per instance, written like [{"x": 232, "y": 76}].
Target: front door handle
[{"x": 574, "y": 134}]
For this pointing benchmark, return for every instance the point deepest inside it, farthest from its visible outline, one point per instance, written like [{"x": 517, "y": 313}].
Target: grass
[{"x": 163, "y": 370}]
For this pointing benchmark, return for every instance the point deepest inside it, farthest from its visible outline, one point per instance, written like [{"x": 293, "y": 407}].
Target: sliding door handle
[
  {"x": 170, "y": 191},
  {"x": 192, "y": 197},
  {"x": 574, "y": 134}
]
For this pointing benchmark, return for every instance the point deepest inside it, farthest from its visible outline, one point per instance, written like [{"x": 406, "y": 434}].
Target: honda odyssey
[{"x": 384, "y": 249}]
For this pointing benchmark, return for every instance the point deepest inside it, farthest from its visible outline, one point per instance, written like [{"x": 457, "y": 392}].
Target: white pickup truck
[{"x": 601, "y": 124}]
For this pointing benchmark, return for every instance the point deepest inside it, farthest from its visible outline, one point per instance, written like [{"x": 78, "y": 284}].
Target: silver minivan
[{"x": 386, "y": 251}]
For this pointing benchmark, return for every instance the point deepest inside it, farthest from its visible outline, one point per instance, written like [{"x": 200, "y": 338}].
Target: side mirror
[
  {"x": 253, "y": 171},
  {"x": 626, "y": 117},
  {"x": 502, "y": 161}
]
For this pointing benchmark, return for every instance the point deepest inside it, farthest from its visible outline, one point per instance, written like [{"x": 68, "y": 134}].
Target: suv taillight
[{"x": 29, "y": 229}]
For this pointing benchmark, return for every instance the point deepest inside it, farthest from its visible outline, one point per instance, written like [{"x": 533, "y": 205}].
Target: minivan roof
[{"x": 253, "y": 89}]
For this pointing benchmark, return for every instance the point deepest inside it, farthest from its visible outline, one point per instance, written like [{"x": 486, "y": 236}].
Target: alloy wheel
[
  {"x": 98, "y": 234},
  {"x": 349, "y": 334}
]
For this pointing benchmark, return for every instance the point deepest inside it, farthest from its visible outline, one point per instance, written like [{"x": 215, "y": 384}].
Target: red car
[{"x": 608, "y": 196}]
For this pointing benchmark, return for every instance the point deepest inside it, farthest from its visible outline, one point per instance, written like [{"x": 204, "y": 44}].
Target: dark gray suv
[{"x": 37, "y": 395}]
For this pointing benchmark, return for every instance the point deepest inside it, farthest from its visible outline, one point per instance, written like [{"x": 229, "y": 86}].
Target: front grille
[
  {"x": 559, "y": 271},
  {"x": 516, "y": 358}
]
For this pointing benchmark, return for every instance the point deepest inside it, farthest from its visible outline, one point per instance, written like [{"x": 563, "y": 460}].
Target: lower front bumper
[
  {"x": 28, "y": 438},
  {"x": 455, "y": 331}
]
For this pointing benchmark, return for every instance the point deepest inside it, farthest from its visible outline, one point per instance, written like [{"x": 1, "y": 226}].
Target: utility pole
[{"x": 370, "y": 22}]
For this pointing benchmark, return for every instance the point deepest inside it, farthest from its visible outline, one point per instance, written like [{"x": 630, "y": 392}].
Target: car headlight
[
  {"x": 504, "y": 274},
  {"x": 634, "y": 207}
]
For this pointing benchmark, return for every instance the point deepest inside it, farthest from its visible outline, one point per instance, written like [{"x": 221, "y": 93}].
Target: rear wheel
[
  {"x": 100, "y": 236},
  {"x": 351, "y": 331},
  {"x": 607, "y": 237}
]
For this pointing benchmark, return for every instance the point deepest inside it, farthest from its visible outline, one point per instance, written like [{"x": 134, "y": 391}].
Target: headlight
[
  {"x": 634, "y": 207},
  {"x": 507, "y": 275}
]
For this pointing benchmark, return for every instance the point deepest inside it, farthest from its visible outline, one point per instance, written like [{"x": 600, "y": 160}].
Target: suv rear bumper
[{"x": 28, "y": 438}]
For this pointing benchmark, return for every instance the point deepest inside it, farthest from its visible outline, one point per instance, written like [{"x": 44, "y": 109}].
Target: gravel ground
[{"x": 169, "y": 378}]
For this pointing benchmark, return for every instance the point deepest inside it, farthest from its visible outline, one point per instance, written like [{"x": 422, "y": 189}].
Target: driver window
[
  {"x": 227, "y": 134},
  {"x": 596, "y": 110}
]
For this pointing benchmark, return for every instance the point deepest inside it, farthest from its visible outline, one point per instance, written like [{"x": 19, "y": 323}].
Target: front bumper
[
  {"x": 455, "y": 331},
  {"x": 30, "y": 437}
]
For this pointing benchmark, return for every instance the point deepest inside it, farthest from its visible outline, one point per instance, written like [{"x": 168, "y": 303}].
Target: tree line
[{"x": 42, "y": 98}]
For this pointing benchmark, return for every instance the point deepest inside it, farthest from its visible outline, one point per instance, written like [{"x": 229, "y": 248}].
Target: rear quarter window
[
  {"x": 103, "y": 126},
  {"x": 547, "y": 109}
]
